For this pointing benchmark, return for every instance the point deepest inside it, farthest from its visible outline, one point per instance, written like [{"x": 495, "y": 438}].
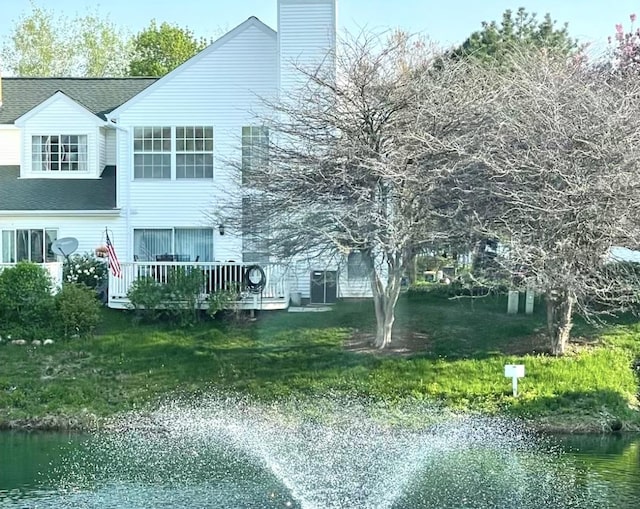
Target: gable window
[
  {"x": 32, "y": 245},
  {"x": 194, "y": 152},
  {"x": 152, "y": 152},
  {"x": 66, "y": 152},
  {"x": 356, "y": 266},
  {"x": 173, "y": 244},
  {"x": 255, "y": 149}
]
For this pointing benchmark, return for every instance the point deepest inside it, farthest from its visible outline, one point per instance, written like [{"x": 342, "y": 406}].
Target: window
[
  {"x": 32, "y": 245},
  {"x": 255, "y": 233},
  {"x": 152, "y": 152},
  {"x": 59, "y": 153},
  {"x": 356, "y": 266},
  {"x": 194, "y": 152},
  {"x": 173, "y": 244},
  {"x": 255, "y": 149},
  {"x": 184, "y": 152}
]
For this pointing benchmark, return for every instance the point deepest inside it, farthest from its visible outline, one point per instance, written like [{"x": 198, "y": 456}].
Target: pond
[{"x": 185, "y": 458}]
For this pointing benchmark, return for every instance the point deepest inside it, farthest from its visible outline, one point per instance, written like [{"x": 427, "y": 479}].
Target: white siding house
[{"x": 149, "y": 159}]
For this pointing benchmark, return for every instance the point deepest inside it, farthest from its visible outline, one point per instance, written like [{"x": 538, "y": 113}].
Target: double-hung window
[
  {"x": 182, "y": 152},
  {"x": 152, "y": 152},
  {"x": 194, "y": 152},
  {"x": 356, "y": 266},
  {"x": 32, "y": 245},
  {"x": 255, "y": 149},
  {"x": 255, "y": 232},
  {"x": 63, "y": 152}
]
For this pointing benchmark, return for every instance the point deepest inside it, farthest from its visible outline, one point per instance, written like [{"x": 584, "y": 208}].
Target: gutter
[{"x": 72, "y": 213}]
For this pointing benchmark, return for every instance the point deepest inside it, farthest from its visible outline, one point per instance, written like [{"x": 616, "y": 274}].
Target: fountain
[{"x": 328, "y": 453}]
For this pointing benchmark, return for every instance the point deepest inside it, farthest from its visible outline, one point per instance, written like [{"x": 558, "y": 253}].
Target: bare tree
[
  {"x": 345, "y": 172},
  {"x": 555, "y": 178}
]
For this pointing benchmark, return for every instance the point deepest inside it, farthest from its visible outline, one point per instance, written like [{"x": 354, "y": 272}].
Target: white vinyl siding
[
  {"x": 220, "y": 87},
  {"x": 110, "y": 148},
  {"x": 9, "y": 145},
  {"x": 307, "y": 34}
]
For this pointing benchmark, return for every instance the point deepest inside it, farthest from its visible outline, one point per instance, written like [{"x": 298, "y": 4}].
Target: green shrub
[
  {"x": 177, "y": 300},
  {"x": 220, "y": 300},
  {"x": 26, "y": 302},
  {"x": 77, "y": 309},
  {"x": 85, "y": 269},
  {"x": 145, "y": 296}
]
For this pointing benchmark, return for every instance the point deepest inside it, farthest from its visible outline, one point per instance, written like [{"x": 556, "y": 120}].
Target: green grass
[{"x": 461, "y": 348}]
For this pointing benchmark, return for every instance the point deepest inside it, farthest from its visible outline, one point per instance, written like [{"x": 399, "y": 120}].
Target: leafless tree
[
  {"x": 345, "y": 172},
  {"x": 555, "y": 177}
]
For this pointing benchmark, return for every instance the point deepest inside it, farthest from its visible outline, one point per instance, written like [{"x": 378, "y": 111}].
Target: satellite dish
[{"x": 64, "y": 246}]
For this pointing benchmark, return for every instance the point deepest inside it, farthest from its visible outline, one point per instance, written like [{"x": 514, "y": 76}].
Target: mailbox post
[{"x": 514, "y": 371}]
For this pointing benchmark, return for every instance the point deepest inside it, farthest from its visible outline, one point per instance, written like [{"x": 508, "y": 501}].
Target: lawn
[{"x": 448, "y": 351}]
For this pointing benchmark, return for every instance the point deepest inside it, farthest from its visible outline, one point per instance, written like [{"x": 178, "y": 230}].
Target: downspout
[{"x": 127, "y": 209}]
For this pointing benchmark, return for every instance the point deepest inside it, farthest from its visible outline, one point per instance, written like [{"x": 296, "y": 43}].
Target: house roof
[
  {"x": 56, "y": 194},
  {"x": 98, "y": 95}
]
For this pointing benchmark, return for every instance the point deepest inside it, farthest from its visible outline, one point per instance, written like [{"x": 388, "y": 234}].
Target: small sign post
[{"x": 514, "y": 371}]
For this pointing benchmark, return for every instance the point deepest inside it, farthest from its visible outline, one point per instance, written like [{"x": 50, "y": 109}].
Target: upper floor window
[
  {"x": 67, "y": 152},
  {"x": 152, "y": 152},
  {"x": 184, "y": 152},
  {"x": 194, "y": 152},
  {"x": 255, "y": 149},
  {"x": 356, "y": 266}
]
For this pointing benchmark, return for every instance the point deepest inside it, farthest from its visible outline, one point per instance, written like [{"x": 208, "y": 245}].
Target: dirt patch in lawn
[
  {"x": 403, "y": 344},
  {"x": 406, "y": 343}
]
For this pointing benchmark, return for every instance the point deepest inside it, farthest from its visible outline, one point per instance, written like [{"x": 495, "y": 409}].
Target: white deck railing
[
  {"x": 216, "y": 276},
  {"x": 53, "y": 268}
]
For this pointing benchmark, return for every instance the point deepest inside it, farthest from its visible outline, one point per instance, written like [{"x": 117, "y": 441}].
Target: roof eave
[{"x": 71, "y": 213}]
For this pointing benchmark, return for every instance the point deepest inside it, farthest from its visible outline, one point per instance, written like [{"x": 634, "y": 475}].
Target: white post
[
  {"x": 512, "y": 302},
  {"x": 528, "y": 303},
  {"x": 514, "y": 371}
]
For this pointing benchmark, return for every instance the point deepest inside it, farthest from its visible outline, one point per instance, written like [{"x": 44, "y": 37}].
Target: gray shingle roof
[
  {"x": 98, "y": 95},
  {"x": 56, "y": 194}
]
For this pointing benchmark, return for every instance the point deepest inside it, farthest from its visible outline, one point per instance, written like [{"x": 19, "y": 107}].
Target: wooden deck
[{"x": 216, "y": 276}]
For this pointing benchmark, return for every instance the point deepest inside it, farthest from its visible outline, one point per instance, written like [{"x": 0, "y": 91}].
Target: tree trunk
[
  {"x": 384, "y": 300},
  {"x": 559, "y": 319}
]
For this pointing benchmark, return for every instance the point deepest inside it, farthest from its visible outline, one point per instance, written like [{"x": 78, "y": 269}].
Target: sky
[{"x": 447, "y": 22}]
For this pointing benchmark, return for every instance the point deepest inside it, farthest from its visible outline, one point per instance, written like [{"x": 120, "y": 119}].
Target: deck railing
[{"x": 216, "y": 276}]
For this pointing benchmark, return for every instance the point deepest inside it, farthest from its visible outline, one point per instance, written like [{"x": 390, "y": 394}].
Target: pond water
[{"x": 230, "y": 457}]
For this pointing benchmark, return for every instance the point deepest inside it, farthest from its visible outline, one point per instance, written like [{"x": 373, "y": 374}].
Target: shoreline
[{"x": 578, "y": 425}]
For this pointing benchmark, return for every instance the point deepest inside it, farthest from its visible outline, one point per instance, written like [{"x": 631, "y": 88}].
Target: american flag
[{"x": 114, "y": 264}]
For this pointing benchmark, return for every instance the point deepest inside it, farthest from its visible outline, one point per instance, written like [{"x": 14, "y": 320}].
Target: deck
[{"x": 216, "y": 276}]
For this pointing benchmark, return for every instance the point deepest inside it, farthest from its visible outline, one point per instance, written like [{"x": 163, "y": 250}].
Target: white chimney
[{"x": 306, "y": 38}]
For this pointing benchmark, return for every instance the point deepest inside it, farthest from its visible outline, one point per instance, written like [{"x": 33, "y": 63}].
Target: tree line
[{"x": 44, "y": 43}]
